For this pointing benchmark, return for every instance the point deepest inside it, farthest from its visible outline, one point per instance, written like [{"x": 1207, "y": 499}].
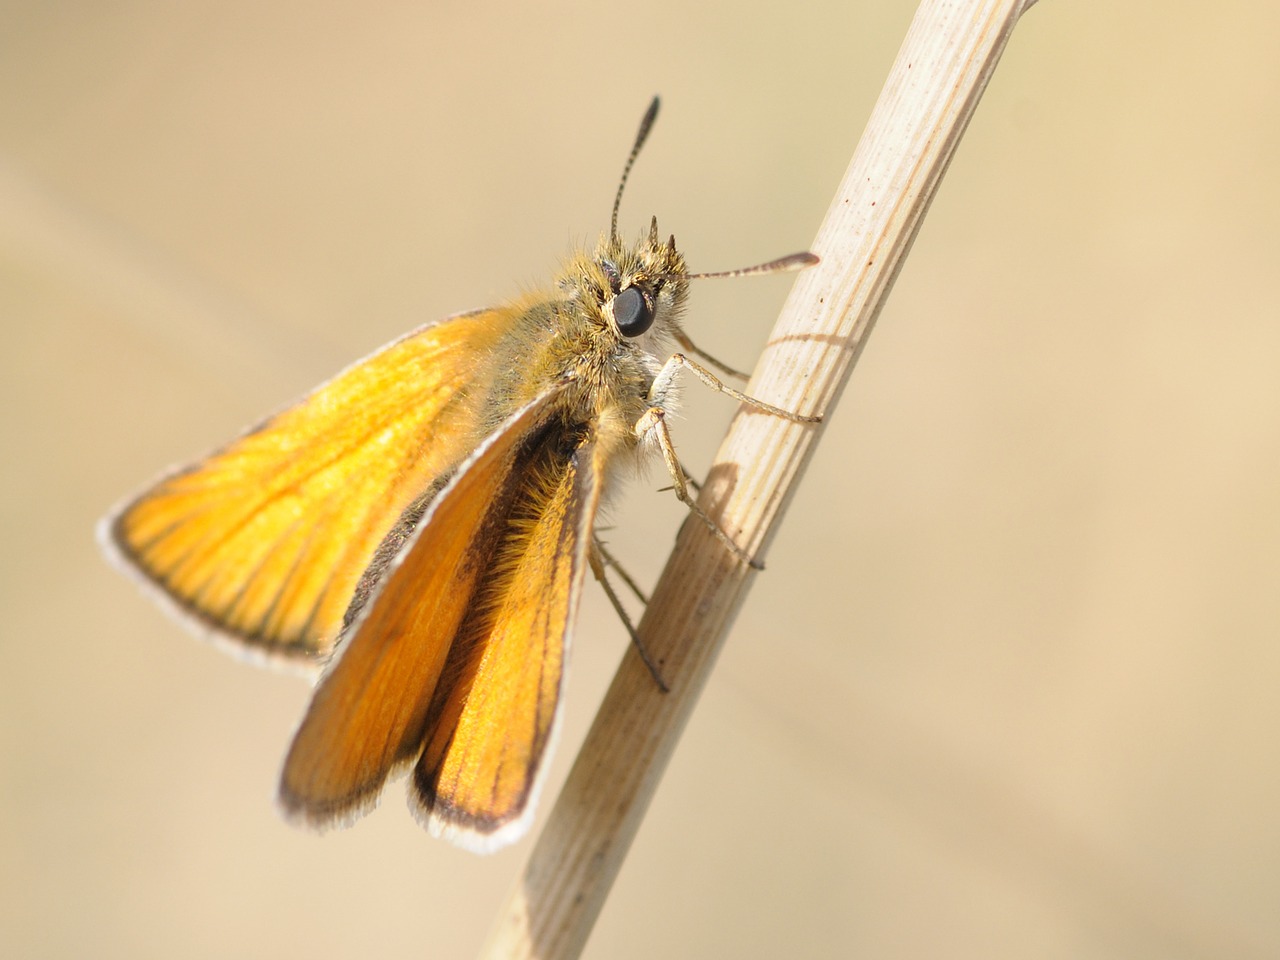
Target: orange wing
[
  {"x": 489, "y": 728},
  {"x": 369, "y": 711},
  {"x": 265, "y": 541}
]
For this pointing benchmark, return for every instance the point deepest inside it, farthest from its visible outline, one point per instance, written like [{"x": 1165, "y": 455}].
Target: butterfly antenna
[
  {"x": 796, "y": 261},
  {"x": 643, "y": 134}
]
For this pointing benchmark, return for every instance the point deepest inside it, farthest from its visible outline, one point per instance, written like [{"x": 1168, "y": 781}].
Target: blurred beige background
[{"x": 1008, "y": 688}]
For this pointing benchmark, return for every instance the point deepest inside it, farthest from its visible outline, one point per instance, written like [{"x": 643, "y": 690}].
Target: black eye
[{"x": 632, "y": 313}]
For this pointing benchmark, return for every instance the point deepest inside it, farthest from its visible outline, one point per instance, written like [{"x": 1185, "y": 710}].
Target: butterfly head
[{"x": 644, "y": 284}]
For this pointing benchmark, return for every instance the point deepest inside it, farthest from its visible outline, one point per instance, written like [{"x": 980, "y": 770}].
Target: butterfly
[{"x": 419, "y": 528}]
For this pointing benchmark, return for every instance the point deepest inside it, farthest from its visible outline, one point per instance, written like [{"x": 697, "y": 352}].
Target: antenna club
[{"x": 646, "y": 124}]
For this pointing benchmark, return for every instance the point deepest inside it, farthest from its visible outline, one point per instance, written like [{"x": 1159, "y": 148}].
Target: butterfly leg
[
  {"x": 662, "y": 383},
  {"x": 597, "y": 556},
  {"x": 611, "y": 561},
  {"x": 689, "y": 479},
  {"x": 654, "y": 424},
  {"x": 682, "y": 338}
]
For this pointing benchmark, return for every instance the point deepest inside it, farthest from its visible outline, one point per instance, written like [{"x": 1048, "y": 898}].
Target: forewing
[
  {"x": 265, "y": 540},
  {"x": 490, "y": 728},
  {"x": 368, "y": 712}
]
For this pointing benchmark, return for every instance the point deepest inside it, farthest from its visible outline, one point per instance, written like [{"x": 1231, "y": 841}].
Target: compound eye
[{"x": 632, "y": 313}]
